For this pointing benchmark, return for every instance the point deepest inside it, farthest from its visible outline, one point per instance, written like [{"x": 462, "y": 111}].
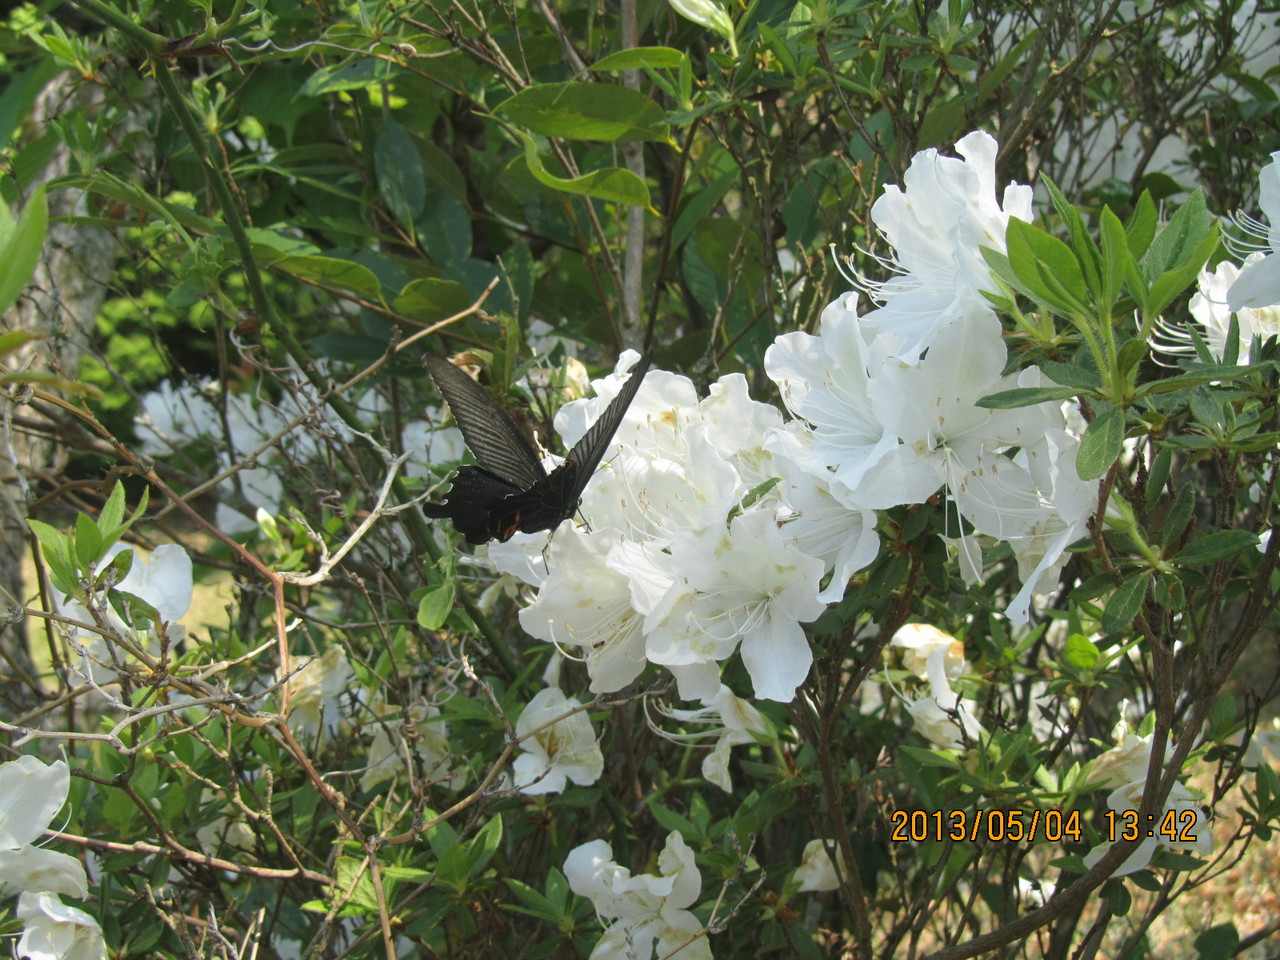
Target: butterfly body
[{"x": 510, "y": 490}]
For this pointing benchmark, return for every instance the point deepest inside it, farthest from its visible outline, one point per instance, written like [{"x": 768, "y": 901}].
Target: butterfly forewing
[
  {"x": 586, "y": 453},
  {"x": 493, "y": 438}
]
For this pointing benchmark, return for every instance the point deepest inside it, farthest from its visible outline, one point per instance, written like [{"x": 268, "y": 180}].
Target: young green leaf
[
  {"x": 587, "y": 111},
  {"x": 1103, "y": 440},
  {"x": 1125, "y": 603}
]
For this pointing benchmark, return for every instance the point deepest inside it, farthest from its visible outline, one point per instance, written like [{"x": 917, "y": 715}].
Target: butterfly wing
[
  {"x": 493, "y": 438},
  {"x": 475, "y": 505},
  {"x": 586, "y": 453},
  {"x": 510, "y": 490},
  {"x": 546, "y": 504},
  {"x": 553, "y": 499}
]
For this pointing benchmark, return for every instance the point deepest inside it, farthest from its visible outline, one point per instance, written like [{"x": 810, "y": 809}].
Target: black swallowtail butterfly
[{"x": 510, "y": 490}]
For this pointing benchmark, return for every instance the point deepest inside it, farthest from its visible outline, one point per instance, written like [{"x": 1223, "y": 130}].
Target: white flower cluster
[
  {"x": 1181, "y": 825},
  {"x": 885, "y": 401},
  {"x": 674, "y": 569},
  {"x": 31, "y": 794},
  {"x": 680, "y": 567},
  {"x": 644, "y": 911},
  {"x": 1250, "y": 293}
]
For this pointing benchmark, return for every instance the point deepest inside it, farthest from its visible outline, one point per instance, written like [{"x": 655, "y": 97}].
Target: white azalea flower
[
  {"x": 163, "y": 579},
  {"x": 918, "y": 641},
  {"x": 825, "y": 382},
  {"x": 174, "y": 415},
  {"x": 662, "y": 499},
  {"x": 260, "y": 487},
  {"x": 1259, "y": 282},
  {"x": 389, "y": 749},
  {"x": 1182, "y": 812},
  {"x": 816, "y": 871},
  {"x": 33, "y": 868},
  {"x": 936, "y": 713},
  {"x": 316, "y": 691},
  {"x": 1124, "y": 768},
  {"x": 1126, "y": 761},
  {"x": 741, "y": 585},
  {"x": 55, "y": 931},
  {"x": 937, "y": 222},
  {"x": 566, "y": 750},
  {"x": 31, "y": 794},
  {"x": 1210, "y": 310},
  {"x": 825, "y": 521},
  {"x": 646, "y": 911},
  {"x": 948, "y": 439},
  {"x": 707, "y": 14},
  {"x": 585, "y": 608},
  {"x": 736, "y": 720}
]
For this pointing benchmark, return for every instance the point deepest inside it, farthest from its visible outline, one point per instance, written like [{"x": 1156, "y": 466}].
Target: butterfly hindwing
[
  {"x": 493, "y": 438},
  {"x": 471, "y": 504}
]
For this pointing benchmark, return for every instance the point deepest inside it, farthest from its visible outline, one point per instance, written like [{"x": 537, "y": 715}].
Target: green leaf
[
  {"x": 352, "y": 875},
  {"x": 929, "y": 758},
  {"x": 1117, "y": 895},
  {"x": 1046, "y": 268},
  {"x": 1179, "y": 515},
  {"x": 483, "y": 846},
  {"x": 431, "y": 300},
  {"x": 1116, "y": 260},
  {"x": 538, "y": 905},
  {"x": 1198, "y": 374},
  {"x": 444, "y": 227},
  {"x": 324, "y": 271},
  {"x": 637, "y": 58},
  {"x": 435, "y": 606},
  {"x": 1103, "y": 440},
  {"x": 612, "y": 183},
  {"x": 112, "y": 516},
  {"x": 1141, "y": 228},
  {"x": 356, "y": 74},
  {"x": 587, "y": 111},
  {"x": 57, "y": 554},
  {"x": 1130, "y": 355},
  {"x": 697, "y": 207},
  {"x": 1125, "y": 603},
  {"x": 20, "y": 91},
  {"x": 1025, "y": 397},
  {"x": 1214, "y": 547},
  {"x": 121, "y": 564},
  {"x": 14, "y": 339},
  {"x": 1170, "y": 284},
  {"x": 401, "y": 182},
  {"x": 88, "y": 541},
  {"x": 137, "y": 512},
  {"x": 1217, "y": 943},
  {"x": 1080, "y": 652},
  {"x": 1175, "y": 245},
  {"x": 20, "y": 249},
  {"x": 1083, "y": 378},
  {"x": 779, "y": 48},
  {"x": 1223, "y": 716},
  {"x": 1159, "y": 474},
  {"x": 1088, "y": 256}
]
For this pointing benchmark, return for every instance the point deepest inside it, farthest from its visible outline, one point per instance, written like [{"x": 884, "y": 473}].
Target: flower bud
[{"x": 706, "y": 14}]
